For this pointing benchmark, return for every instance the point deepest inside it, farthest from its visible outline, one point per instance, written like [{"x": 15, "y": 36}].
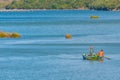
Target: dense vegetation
[
  {"x": 65, "y": 4},
  {"x": 3, "y": 3}
]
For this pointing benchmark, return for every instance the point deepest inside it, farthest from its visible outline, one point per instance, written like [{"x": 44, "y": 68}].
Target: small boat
[{"x": 91, "y": 57}]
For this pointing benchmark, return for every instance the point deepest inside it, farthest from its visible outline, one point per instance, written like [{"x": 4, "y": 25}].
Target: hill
[
  {"x": 4, "y": 3},
  {"x": 62, "y": 4}
]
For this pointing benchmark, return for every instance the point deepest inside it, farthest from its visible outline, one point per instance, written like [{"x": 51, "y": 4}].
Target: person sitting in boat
[{"x": 101, "y": 54}]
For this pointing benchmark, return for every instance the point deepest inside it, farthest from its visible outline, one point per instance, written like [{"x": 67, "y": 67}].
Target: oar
[{"x": 107, "y": 58}]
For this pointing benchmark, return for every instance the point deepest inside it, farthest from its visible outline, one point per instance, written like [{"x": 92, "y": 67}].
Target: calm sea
[{"x": 43, "y": 52}]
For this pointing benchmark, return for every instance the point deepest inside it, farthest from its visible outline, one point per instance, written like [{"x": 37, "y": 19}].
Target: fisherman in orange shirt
[{"x": 101, "y": 54}]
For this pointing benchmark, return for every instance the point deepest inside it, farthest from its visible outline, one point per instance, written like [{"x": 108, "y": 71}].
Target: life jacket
[{"x": 101, "y": 54}]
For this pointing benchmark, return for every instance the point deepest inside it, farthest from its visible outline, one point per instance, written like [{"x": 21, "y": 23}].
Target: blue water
[{"x": 43, "y": 53}]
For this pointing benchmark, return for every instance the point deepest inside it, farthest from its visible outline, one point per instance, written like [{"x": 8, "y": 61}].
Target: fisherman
[
  {"x": 101, "y": 54},
  {"x": 91, "y": 51}
]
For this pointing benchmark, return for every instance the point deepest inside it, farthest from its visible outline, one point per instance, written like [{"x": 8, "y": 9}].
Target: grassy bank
[{"x": 63, "y": 4}]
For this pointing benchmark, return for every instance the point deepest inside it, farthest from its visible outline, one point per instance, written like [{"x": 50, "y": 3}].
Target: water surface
[{"x": 43, "y": 53}]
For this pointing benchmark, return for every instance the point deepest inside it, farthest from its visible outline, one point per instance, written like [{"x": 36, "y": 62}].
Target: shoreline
[{"x": 19, "y": 10}]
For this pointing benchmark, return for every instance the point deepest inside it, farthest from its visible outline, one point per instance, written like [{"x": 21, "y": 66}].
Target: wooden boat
[{"x": 91, "y": 57}]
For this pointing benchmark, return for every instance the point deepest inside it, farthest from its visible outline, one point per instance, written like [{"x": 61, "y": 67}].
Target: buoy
[
  {"x": 9, "y": 35},
  {"x": 15, "y": 35},
  {"x": 4, "y": 35},
  {"x": 68, "y": 36},
  {"x": 94, "y": 17}
]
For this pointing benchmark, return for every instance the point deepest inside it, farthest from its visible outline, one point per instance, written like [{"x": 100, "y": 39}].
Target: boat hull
[{"x": 88, "y": 57}]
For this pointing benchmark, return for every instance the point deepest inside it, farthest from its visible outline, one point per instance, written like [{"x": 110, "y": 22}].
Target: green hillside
[
  {"x": 65, "y": 4},
  {"x": 3, "y": 3}
]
